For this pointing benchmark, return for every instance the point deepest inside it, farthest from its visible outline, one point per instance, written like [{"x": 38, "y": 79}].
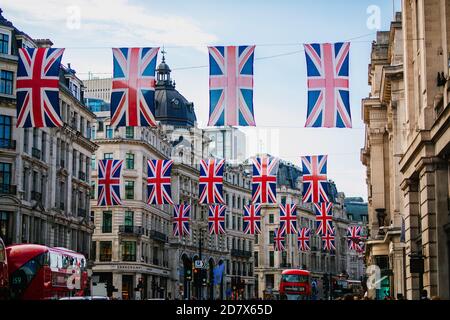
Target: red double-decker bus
[
  {"x": 295, "y": 284},
  {"x": 4, "y": 288},
  {"x": 38, "y": 272}
]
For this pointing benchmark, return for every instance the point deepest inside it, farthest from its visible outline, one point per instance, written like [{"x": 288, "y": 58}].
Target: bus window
[{"x": 294, "y": 278}]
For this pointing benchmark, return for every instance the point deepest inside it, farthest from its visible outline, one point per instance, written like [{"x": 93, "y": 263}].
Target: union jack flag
[
  {"x": 354, "y": 238},
  {"x": 37, "y": 87},
  {"x": 328, "y": 85},
  {"x": 252, "y": 219},
  {"x": 211, "y": 181},
  {"x": 216, "y": 219},
  {"x": 109, "y": 182},
  {"x": 314, "y": 179},
  {"x": 231, "y": 86},
  {"x": 158, "y": 182},
  {"x": 279, "y": 239},
  {"x": 133, "y": 87},
  {"x": 328, "y": 240},
  {"x": 288, "y": 218},
  {"x": 324, "y": 217},
  {"x": 304, "y": 235},
  {"x": 181, "y": 218},
  {"x": 264, "y": 180}
]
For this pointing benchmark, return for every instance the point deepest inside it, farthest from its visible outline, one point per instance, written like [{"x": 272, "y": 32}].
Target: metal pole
[{"x": 200, "y": 257}]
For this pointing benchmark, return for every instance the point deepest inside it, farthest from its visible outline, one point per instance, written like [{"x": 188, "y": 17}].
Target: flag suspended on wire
[
  {"x": 252, "y": 219},
  {"x": 327, "y": 67},
  {"x": 181, "y": 218},
  {"x": 354, "y": 238},
  {"x": 328, "y": 240},
  {"x": 304, "y": 235},
  {"x": 109, "y": 182},
  {"x": 314, "y": 179},
  {"x": 216, "y": 219},
  {"x": 231, "y": 86},
  {"x": 264, "y": 180},
  {"x": 211, "y": 181},
  {"x": 158, "y": 182},
  {"x": 288, "y": 218},
  {"x": 279, "y": 239},
  {"x": 37, "y": 87},
  {"x": 133, "y": 87},
  {"x": 324, "y": 217}
]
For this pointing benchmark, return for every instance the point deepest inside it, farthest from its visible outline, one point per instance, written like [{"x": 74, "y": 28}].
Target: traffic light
[
  {"x": 204, "y": 277},
  {"x": 188, "y": 274},
  {"x": 197, "y": 276}
]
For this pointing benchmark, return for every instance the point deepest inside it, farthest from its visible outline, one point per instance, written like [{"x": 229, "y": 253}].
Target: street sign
[{"x": 198, "y": 264}]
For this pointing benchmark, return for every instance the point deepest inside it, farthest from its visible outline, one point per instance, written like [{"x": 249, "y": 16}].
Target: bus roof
[{"x": 296, "y": 271}]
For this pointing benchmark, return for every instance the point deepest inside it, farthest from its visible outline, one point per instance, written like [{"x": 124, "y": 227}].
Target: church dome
[{"x": 171, "y": 108}]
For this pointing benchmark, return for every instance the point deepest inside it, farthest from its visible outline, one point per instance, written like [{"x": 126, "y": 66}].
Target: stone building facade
[
  {"x": 269, "y": 263},
  {"x": 407, "y": 120},
  {"x": 156, "y": 257},
  {"x": 44, "y": 172}
]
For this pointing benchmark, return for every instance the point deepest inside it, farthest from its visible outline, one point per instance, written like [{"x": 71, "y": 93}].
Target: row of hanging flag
[
  {"x": 230, "y": 86},
  {"x": 264, "y": 182}
]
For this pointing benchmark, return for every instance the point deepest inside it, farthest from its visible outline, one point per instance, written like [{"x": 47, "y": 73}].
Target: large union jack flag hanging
[
  {"x": 328, "y": 240},
  {"x": 133, "y": 87},
  {"x": 328, "y": 85},
  {"x": 231, "y": 86},
  {"x": 158, "y": 182},
  {"x": 252, "y": 219},
  {"x": 109, "y": 182},
  {"x": 279, "y": 239},
  {"x": 324, "y": 217},
  {"x": 37, "y": 87},
  {"x": 211, "y": 181},
  {"x": 264, "y": 180},
  {"x": 181, "y": 218},
  {"x": 354, "y": 238},
  {"x": 288, "y": 218},
  {"x": 216, "y": 219},
  {"x": 304, "y": 235},
  {"x": 314, "y": 179}
]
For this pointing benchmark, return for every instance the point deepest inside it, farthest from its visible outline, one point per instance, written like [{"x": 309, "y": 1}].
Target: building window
[
  {"x": 107, "y": 222},
  {"x": 129, "y": 132},
  {"x": 5, "y": 131},
  {"x": 4, "y": 224},
  {"x": 271, "y": 236},
  {"x": 271, "y": 259},
  {"x": 107, "y": 156},
  {"x": 270, "y": 218},
  {"x": 129, "y": 190},
  {"x": 6, "y": 82},
  {"x": 129, "y": 219},
  {"x": 129, "y": 161},
  {"x": 5, "y": 177},
  {"x": 93, "y": 162},
  {"x": 128, "y": 251},
  {"x": 256, "y": 258},
  {"x": 105, "y": 251},
  {"x": 4, "y": 43},
  {"x": 92, "y": 190},
  {"x": 109, "y": 132},
  {"x": 93, "y": 132}
]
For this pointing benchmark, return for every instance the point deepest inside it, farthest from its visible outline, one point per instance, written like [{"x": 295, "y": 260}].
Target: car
[{"x": 85, "y": 298}]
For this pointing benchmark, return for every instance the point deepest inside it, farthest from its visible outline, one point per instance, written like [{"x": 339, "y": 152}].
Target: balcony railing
[
  {"x": 36, "y": 196},
  {"x": 36, "y": 153},
  {"x": 131, "y": 230},
  {"x": 105, "y": 257},
  {"x": 241, "y": 253},
  {"x": 8, "y": 189},
  {"x": 285, "y": 265},
  {"x": 128, "y": 257},
  {"x": 159, "y": 236},
  {"x": 7, "y": 144},
  {"x": 82, "y": 175}
]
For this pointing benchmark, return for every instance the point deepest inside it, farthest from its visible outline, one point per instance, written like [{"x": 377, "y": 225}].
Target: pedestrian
[{"x": 424, "y": 295}]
